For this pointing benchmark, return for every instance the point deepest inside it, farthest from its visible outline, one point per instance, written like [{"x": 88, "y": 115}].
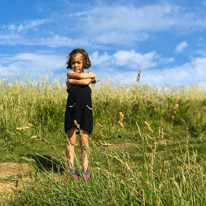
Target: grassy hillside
[{"x": 147, "y": 148}]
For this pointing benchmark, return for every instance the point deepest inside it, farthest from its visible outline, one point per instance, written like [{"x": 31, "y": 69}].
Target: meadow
[{"x": 147, "y": 147}]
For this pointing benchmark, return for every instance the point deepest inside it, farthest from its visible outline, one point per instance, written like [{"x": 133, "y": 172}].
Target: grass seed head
[
  {"x": 139, "y": 74},
  {"x": 121, "y": 118},
  {"x": 78, "y": 127},
  {"x": 148, "y": 126},
  {"x": 174, "y": 111}
]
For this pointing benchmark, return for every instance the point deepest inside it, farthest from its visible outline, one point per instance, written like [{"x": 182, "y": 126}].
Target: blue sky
[{"x": 167, "y": 38}]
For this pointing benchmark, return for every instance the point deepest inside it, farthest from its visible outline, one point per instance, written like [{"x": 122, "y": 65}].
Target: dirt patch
[
  {"x": 7, "y": 187},
  {"x": 15, "y": 171},
  {"x": 9, "y": 169}
]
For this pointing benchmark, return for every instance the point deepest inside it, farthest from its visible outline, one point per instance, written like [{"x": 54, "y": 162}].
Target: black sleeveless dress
[{"x": 79, "y": 108}]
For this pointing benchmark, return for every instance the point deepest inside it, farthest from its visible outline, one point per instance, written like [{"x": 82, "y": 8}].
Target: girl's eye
[{"x": 76, "y": 62}]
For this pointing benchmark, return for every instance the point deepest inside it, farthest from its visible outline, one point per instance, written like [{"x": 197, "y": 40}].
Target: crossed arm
[{"x": 80, "y": 79}]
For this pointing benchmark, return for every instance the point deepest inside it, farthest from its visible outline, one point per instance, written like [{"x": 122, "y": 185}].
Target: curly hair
[{"x": 86, "y": 60}]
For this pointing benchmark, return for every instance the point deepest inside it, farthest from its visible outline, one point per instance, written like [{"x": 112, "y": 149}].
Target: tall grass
[{"x": 164, "y": 163}]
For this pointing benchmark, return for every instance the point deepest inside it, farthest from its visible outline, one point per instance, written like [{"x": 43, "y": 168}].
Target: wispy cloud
[
  {"x": 24, "y": 26},
  {"x": 60, "y": 41},
  {"x": 204, "y": 3},
  {"x": 201, "y": 52},
  {"x": 103, "y": 24},
  {"x": 54, "y": 41},
  {"x": 180, "y": 47},
  {"x": 127, "y": 24}
]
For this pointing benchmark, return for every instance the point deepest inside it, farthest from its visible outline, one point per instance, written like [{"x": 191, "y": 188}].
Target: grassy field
[{"x": 147, "y": 148}]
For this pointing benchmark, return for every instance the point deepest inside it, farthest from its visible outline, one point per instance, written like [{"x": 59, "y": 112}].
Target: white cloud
[
  {"x": 200, "y": 66},
  {"x": 10, "y": 39},
  {"x": 180, "y": 47},
  {"x": 133, "y": 60},
  {"x": 129, "y": 59},
  {"x": 35, "y": 64},
  {"x": 97, "y": 59},
  {"x": 193, "y": 72},
  {"x": 31, "y": 64}
]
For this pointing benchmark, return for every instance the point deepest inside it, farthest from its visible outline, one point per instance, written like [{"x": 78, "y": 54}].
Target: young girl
[{"x": 78, "y": 115}]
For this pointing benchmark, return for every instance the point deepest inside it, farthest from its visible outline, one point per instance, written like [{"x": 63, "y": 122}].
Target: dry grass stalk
[
  {"x": 103, "y": 143},
  {"x": 154, "y": 150},
  {"x": 204, "y": 109},
  {"x": 121, "y": 124},
  {"x": 148, "y": 126},
  {"x": 159, "y": 132},
  {"x": 121, "y": 118},
  {"x": 155, "y": 147},
  {"x": 162, "y": 142},
  {"x": 24, "y": 127},
  {"x": 162, "y": 133},
  {"x": 78, "y": 127},
  {"x": 139, "y": 73},
  {"x": 148, "y": 136},
  {"x": 99, "y": 124}
]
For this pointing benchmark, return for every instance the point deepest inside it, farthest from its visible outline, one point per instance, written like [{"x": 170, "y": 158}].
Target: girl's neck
[{"x": 81, "y": 72}]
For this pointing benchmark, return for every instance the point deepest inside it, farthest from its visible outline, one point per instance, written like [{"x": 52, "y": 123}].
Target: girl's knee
[
  {"x": 71, "y": 134},
  {"x": 71, "y": 142},
  {"x": 84, "y": 139},
  {"x": 85, "y": 134}
]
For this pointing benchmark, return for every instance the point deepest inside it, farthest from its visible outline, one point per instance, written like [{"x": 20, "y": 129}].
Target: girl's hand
[{"x": 94, "y": 80}]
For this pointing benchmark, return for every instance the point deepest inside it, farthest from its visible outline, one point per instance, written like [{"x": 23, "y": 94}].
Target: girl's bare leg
[
  {"x": 84, "y": 143},
  {"x": 71, "y": 134}
]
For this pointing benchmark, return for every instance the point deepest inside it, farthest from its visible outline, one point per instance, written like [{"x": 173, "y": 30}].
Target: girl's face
[{"x": 77, "y": 63}]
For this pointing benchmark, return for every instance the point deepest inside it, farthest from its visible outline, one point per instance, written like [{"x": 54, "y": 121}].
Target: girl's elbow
[
  {"x": 68, "y": 74},
  {"x": 69, "y": 81}
]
